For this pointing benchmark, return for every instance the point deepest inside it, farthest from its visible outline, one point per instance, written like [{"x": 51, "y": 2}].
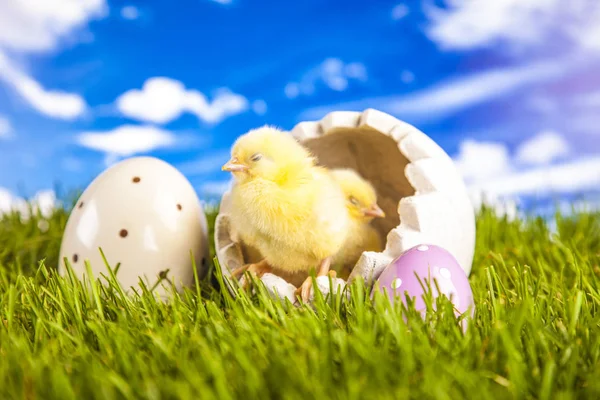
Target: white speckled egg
[{"x": 146, "y": 216}]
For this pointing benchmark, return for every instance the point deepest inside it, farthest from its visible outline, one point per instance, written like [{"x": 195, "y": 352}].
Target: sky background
[{"x": 510, "y": 89}]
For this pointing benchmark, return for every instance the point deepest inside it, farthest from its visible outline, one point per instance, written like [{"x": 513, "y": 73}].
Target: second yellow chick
[{"x": 362, "y": 208}]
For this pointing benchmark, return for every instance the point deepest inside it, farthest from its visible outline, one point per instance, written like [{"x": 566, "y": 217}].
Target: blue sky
[{"x": 510, "y": 88}]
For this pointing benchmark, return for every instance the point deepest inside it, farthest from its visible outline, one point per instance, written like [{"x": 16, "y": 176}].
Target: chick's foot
[
  {"x": 238, "y": 272},
  {"x": 304, "y": 289},
  {"x": 257, "y": 269}
]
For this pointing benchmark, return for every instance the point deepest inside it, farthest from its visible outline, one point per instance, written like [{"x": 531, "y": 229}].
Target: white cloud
[
  {"x": 36, "y": 26},
  {"x": 575, "y": 113},
  {"x": 160, "y": 100},
  {"x": 39, "y": 25},
  {"x": 130, "y": 12},
  {"x": 354, "y": 70},
  {"x": 6, "y": 200},
  {"x": 452, "y": 96},
  {"x": 333, "y": 73},
  {"x": 542, "y": 149},
  {"x": 567, "y": 206},
  {"x": 502, "y": 192},
  {"x": 292, "y": 90},
  {"x": 487, "y": 168},
  {"x": 259, "y": 107},
  {"x": 6, "y": 130},
  {"x": 400, "y": 11},
  {"x": 468, "y": 24},
  {"x": 211, "y": 162},
  {"x": 225, "y": 104},
  {"x": 492, "y": 176},
  {"x": 569, "y": 177},
  {"x": 55, "y": 104},
  {"x": 163, "y": 99},
  {"x": 44, "y": 201},
  {"x": 126, "y": 140},
  {"x": 481, "y": 160},
  {"x": 215, "y": 188},
  {"x": 502, "y": 206}
]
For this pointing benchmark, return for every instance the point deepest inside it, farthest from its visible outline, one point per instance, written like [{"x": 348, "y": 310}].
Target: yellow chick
[
  {"x": 361, "y": 204},
  {"x": 285, "y": 206}
]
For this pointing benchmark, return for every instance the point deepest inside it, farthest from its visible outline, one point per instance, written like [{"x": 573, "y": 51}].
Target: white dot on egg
[
  {"x": 445, "y": 272},
  {"x": 396, "y": 283},
  {"x": 423, "y": 247}
]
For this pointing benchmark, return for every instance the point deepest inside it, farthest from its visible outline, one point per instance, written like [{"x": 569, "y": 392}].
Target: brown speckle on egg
[
  {"x": 136, "y": 179},
  {"x": 179, "y": 207},
  {"x": 81, "y": 205},
  {"x": 123, "y": 233},
  {"x": 75, "y": 258}
]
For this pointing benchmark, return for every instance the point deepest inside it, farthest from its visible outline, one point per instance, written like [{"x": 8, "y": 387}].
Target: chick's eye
[
  {"x": 256, "y": 157},
  {"x": 353, "y": 201}
]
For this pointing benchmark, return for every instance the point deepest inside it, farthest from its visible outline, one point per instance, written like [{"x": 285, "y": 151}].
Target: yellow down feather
[
  {"x": 285, "y": 206},
  {"x": 362, "y": 208}
]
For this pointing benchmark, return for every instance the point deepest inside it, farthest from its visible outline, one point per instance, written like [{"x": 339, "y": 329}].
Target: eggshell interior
[
  {"x": 376, "y": 157},
  {"x": 145, "y": 216}
]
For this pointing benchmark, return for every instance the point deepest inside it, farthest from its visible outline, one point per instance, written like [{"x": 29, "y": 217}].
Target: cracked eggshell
[
  {"x": 146, "y": 216},
  {"x": 336, "y": 286},
  {"x": 418, "y": 187},
  {"x": 278, "y": 288}
]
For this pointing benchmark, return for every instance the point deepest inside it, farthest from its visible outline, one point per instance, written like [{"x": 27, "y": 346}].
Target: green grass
[{"x": 536, "y": 331}]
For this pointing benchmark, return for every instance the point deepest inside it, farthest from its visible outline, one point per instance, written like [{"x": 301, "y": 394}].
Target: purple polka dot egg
[{"x": 432, "y": 264}]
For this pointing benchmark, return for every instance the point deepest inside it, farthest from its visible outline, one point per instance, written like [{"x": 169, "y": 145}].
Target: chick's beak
[
  {"x": 374, "y": 211},
  {"x": 234, "y": 165}
]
